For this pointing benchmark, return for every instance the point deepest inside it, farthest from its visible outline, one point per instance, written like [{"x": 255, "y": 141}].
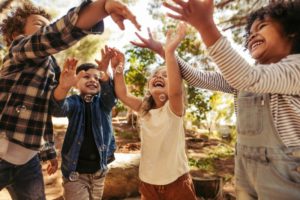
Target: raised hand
[
  {"x": 106, "y": 55},
  {"x": 198, "y": 13},
  {"x": 149, "y": 43},
  {"x": 120, "y": 12},
  {"x": 117, "y": 61},
  {"x": 174, "y": 37},
  {"x": 68, "y": 77}
]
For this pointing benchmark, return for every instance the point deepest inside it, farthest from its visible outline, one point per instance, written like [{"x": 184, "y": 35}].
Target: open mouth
[
  {"x": 158, "y": 83},
  {"x": 92, "y": 86},
  {"x": 256, "y": 44}
]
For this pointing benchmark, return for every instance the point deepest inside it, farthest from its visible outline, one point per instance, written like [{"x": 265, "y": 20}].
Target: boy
[
  {"x": 28, "y": 75},
  {"x": 89, "y": 142}
]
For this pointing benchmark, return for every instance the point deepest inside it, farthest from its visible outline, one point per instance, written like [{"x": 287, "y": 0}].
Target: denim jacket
[{"x": 73, "y": 107}]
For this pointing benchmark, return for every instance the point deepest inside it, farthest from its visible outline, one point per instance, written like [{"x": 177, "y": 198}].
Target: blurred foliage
[
  {"x": 207, "y": 163},
  {"x": 139, "y": 61}
]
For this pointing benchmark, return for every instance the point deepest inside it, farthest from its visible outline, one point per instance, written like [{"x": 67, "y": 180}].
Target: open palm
[
  {"x": 174, "y": 37},
  {"x": 68, "y": 77}
]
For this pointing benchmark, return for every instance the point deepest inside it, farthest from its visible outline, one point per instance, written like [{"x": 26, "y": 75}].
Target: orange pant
[{"x": 180, "y": 189}]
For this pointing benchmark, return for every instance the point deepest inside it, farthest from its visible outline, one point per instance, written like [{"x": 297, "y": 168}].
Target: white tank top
[{"x": 163, "y": 156}]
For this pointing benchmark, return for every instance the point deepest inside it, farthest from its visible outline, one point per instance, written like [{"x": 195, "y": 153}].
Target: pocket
[
  {"x": 286, "y": 171},
  {"x": 249, "y": 115}
]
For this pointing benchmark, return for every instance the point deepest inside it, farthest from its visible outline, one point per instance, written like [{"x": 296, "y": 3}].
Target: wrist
[
  {"x": 104, "y": 76},
  {"x": 119, "y": 70},
  {"x": 63, "y": 88}
]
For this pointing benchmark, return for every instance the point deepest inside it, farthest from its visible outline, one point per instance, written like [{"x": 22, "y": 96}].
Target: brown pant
[{"x": 181, "y": 189}]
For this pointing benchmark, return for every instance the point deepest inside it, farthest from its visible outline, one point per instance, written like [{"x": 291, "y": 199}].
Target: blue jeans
[{"x": 23, "y": 182}]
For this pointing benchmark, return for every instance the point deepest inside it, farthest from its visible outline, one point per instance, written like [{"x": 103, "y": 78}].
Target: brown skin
[
  {"x": 199, "y": 13},
  {"x": 267, "y": 42}
]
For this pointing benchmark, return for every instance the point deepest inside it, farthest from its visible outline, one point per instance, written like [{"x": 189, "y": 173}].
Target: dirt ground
[{"x": 128, "y": 142}]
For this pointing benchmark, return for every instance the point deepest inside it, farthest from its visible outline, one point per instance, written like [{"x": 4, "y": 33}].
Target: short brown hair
[{"x": 16, "y": 20}]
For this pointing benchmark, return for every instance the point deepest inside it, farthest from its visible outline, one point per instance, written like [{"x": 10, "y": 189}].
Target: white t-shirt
[{"x": 163, "y": 156}]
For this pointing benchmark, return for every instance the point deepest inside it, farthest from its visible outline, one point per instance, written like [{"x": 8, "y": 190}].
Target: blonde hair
[{"x": 148, "y": 102}]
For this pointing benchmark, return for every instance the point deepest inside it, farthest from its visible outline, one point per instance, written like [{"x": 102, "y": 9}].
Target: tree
[{"x": 231, "y": 15}]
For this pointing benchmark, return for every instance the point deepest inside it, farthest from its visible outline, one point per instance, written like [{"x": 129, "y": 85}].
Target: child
[
  {"x": 89, "y": 142},
  {"x": 28, "y": 75},
  {"x": 267, "y": 94},
  {"x": 164, "y": 170}
]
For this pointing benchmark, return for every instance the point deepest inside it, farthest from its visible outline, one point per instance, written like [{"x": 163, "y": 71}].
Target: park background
[{"x": 210, "y": 118}]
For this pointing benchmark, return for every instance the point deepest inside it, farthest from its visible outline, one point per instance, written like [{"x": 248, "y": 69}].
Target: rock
[{"x": 122, "y": 179}]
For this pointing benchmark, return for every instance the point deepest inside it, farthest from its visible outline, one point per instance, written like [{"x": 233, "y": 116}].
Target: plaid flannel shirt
[{"x": 28, "y": 76}]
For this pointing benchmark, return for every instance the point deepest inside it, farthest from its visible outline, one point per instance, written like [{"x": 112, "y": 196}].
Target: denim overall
[{"x": 265, "y": 168}]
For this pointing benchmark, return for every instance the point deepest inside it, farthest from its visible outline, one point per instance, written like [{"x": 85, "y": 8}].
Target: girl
[
  {"x": 267, "y": 95},
  {"x": 164, "y": 170}
]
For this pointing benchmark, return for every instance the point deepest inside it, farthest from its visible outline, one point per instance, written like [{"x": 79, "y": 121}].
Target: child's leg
[
  {"x": 97, "y": 185},
  {"x": 76, "y": 190},
  {"x": 26, "y": 180},
  {"x": 244, "y": 167}
]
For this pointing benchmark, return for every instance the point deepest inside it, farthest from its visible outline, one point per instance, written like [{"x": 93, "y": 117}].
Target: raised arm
[
  {"x": 175, "y": 86},
  {"x": 129, "y": 100},
  {"x": 97, "y": 10},
  {"x": 108, "y": 98}
]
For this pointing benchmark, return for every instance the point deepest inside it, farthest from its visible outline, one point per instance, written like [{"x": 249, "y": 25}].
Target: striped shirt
[
  {"x": 280, "y": 80},
  {"x": 29, "y": 74}
]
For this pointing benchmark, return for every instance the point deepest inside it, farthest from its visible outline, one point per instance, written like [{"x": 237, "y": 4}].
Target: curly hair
[
  {"x": 286, "y": 13},
  {"x": 15, "y": 21}
]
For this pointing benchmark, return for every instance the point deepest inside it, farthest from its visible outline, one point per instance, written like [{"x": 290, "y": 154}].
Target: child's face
[
  {"x": 89, "y": 83},
  {"x": 267, "y": 42},
  {"x": 34, "y": 23},
  {"x": 158, "y": 83}
]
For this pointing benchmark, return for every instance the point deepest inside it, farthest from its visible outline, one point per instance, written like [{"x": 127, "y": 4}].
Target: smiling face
[
  {"x": 89, "y": 83},
  {"x": 158, "y": 83},
  {"x": 267, "y": 42}
]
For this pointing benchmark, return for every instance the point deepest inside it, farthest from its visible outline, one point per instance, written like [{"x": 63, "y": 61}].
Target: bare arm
[
  {"x": 98, "y": 10},
  {"x": 175, "y": 90},
  {"x": 117, "y": 64}
]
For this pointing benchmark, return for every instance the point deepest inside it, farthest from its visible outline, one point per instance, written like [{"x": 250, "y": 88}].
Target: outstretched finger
[
  {"x": 181, "y": 3},
  {"x": 139, "y": 44},
  {"x": 127, "y": 14},
  {"x": 118, "y": 20},
  {"x": 176, "y": 9},
  {"x": 73, "y": 64},
  {"x": 177, "y": 17},
  {"x": 66, "y": 64},
  {"x": 149, "y": 33},
  {"x": 144, "y": 40}
]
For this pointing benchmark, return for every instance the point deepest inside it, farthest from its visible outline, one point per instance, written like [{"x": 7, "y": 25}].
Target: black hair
[
  {"x": 86, "y": 67},
  {"x": 286, "y": 13}
]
